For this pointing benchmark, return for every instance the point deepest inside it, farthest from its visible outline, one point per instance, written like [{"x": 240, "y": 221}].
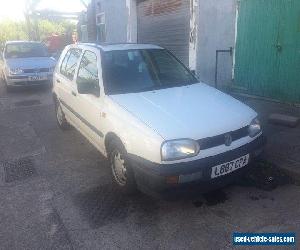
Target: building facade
[
  {"x": 116, "y": 21},
  {"x": 222, "y": 40},
  {"x": 188, "y": 28}
]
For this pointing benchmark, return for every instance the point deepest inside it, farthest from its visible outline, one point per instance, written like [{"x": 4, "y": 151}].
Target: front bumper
[
  {"x": 25, "y": 80},
  {"x": 155, "y": 177}
]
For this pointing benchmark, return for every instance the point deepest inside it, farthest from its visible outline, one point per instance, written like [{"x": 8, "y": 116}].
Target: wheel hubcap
[{"x": 119, "y": 169}]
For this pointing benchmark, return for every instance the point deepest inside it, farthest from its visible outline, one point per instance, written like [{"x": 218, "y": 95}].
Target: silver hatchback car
[{"x": 26, "y": 63}]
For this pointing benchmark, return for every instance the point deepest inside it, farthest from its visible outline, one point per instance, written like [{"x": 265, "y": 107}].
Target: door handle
[{"x": 73, "y": 93}]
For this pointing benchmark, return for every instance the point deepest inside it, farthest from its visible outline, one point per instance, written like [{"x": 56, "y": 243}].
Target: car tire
[
  {"x": 122, "y": 173},
  {"x": 60, "y": 117}
]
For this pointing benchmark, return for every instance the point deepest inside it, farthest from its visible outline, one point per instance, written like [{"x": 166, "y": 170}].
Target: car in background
[
  {"x": 25, "y": 64},
  {"x": 159, "y": 126}
]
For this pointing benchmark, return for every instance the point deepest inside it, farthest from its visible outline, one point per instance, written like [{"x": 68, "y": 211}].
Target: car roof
[{"x": 120, "y": 46}]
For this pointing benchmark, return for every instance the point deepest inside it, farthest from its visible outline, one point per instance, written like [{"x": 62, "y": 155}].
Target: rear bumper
[{"x": 153, "y": 177}]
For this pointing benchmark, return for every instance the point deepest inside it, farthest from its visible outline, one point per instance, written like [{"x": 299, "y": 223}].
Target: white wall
[
  {"x": 120, "y": 18},
  {"x": 131, "y": 6},
  {"x": 216, "y": 30}
]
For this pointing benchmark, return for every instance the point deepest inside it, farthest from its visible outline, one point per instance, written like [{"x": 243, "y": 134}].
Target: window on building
[
  {"x": 99, "y": 6},
  {"x": 101, "y": 27}
]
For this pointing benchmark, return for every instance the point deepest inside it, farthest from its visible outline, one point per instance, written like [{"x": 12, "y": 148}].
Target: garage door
[
  {"x": 165, "y": 23},
  {"x": 268, "y": 49}
]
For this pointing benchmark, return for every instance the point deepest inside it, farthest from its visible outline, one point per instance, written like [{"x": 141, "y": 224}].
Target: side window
[
  {"x": 88, "y": 71},
  {"x": 70, "y": 62},
  {"x": 64, "y": 63}
]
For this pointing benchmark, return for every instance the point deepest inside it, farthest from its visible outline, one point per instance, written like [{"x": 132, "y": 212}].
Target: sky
[{"x": 14, "y": 9}]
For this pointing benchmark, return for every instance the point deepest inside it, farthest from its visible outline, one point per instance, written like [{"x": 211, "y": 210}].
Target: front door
[
  {"x": 267, "y": 61},
  {"x": 89, "y": 107}
]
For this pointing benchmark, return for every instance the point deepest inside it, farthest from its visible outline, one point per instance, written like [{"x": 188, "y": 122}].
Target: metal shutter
[{"x": 165, "y": 23}]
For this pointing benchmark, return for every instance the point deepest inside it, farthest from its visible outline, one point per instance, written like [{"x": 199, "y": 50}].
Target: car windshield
[
  {"x": 22, "y": 50},
  {"x": 132, "y": 71}
]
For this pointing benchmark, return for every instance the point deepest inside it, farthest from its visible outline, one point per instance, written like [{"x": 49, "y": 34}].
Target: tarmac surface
[{"x": 56, "y": 193}]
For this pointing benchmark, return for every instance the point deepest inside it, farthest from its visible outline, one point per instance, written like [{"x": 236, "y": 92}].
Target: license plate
[
  {"x": 37, "y": 78},
  {"x": 229, "y": 167}
]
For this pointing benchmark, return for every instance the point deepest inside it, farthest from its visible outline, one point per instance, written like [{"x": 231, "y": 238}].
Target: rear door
[{"x": 65, "y": 83}]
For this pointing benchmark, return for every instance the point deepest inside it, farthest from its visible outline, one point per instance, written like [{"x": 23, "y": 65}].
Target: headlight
[
  {"x": 16, "y": 71},
  {"x": 179, "y": 149},
  {"x": 254, "y": 128}
]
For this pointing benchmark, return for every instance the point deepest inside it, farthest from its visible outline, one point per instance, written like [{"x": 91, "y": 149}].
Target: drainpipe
[{"x": 193, "y": 34}]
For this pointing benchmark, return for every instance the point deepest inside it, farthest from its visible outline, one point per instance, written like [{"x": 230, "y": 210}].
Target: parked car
[
  {"x": 147, "y": 113},
  {"x": 26, "y": 63}
]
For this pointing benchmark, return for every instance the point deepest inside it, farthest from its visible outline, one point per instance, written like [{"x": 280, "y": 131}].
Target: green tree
[
  {"x": 11, "y": 30},
  {"x": 47, "y": 28},
  {"x": 17, "y": 30}
]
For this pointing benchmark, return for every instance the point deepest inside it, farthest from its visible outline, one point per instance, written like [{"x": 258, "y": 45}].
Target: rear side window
[
  {"x": 69, "y": 63},
  {"x": 64, "y": 63}
]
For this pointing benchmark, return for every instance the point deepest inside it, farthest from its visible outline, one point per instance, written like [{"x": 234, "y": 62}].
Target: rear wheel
[
  {"x": 122, "y": 173},
  {"x": 60, "y": 117}
]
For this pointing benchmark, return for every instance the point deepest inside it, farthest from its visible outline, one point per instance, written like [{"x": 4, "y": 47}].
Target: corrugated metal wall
[
  {"x": 268, "y": 49},
  {"x": 165, "y": 23}
]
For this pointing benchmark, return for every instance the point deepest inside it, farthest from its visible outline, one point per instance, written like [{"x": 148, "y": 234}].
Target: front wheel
[{"x": 123, "y": 175}]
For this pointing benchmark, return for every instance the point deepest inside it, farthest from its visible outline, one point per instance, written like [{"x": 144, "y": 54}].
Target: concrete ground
[
  {"x": 283, "y": 147},
  {"x": 56, "y": 193}
]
